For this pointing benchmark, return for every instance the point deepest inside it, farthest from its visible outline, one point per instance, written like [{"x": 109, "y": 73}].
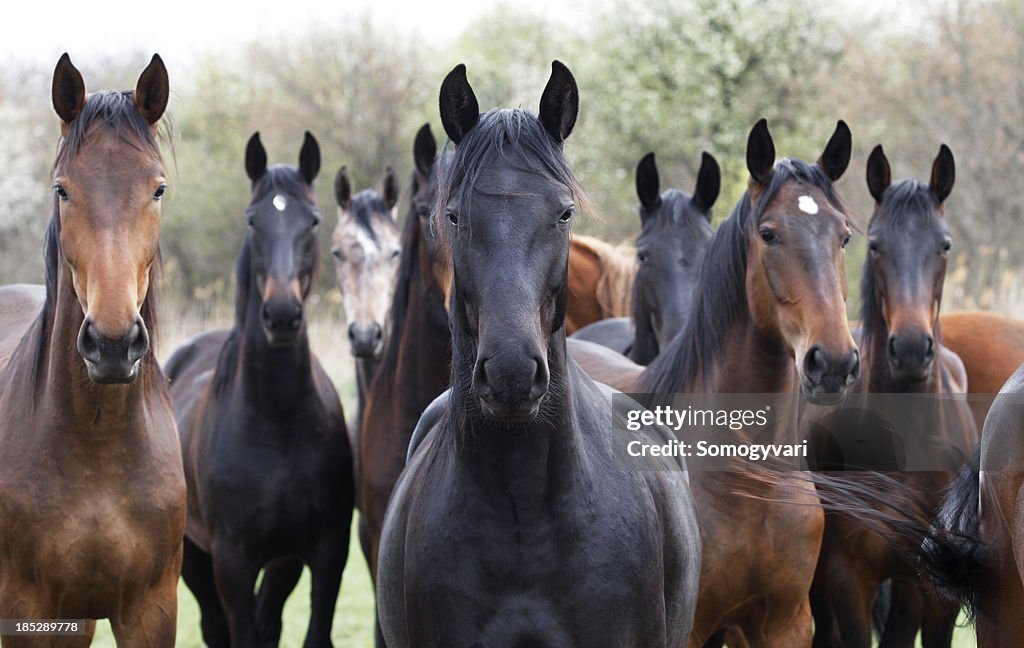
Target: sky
[{"x": 38, "y": 31}]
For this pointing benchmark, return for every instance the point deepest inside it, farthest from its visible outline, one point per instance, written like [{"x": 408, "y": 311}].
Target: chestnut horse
[
  {"x": 92, "y": 495},
  {"x": 769, "y": 317},
  {"x": 267, "y": 458},
  {"x": 515, "y": 524},
  {"x": 600, "y": 279},
  {"x": 675, "y": 232},
  {"x": 414, "y": 367},
  {"x": 908, "y": 243},
  {"x": 365, "y": 247}
]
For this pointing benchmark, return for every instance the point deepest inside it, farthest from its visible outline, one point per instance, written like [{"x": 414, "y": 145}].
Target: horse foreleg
[
  {"x": 150, "y": 622},
  {"x": 279, "y": 579},
  {"x": 327, "y": 566},
  {"x": 197, "y": 572},
  {"x": 904, "y": 617},
  {"x": 235, "y": 577}
]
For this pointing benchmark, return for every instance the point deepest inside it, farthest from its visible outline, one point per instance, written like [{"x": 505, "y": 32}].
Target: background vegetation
[{"x": 672, "y": 76}]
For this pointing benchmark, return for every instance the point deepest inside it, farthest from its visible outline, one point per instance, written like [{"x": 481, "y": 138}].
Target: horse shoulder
[{"x": 953, "y": 365}]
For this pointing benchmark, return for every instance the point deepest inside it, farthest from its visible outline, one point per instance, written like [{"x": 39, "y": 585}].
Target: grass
[{"x": 353, "y": 618}]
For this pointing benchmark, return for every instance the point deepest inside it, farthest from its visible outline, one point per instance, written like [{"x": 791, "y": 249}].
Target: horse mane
[
  {"x": 116, "y": 110},
  {"x": 721, "y": 295},
  {"x": 618, "y": 268},
  {"x": 277, "y": 178},
  {"x": 514, "y": 128},
  {"x": 902, "y": 201},
  {"x": 365, "y": 204}
]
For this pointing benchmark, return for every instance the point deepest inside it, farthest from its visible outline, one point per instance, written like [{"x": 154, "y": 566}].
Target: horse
[
  {"x": 973, "y": 551},
  {"x": 600, "y": 276},
  {"x": 92, "y": 494},
  {"x": 519, "y": 467},
  {"x": 414, "y": 366},
  {"x": 365, "y": 246},
  {"x": 675, "y": 231},
  {"x": 769, "y": 317},
  {"x": 991, "y": 347},
  {"x": 267, "y": 456},
  {"x": 902, "y": 353}
]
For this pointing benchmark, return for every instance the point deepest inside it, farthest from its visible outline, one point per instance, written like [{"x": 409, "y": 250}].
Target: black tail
[{"x": 952, "y": 554}]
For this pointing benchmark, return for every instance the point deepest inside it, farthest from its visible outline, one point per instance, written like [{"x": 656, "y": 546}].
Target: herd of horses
[{"x": 496, "y": 506}]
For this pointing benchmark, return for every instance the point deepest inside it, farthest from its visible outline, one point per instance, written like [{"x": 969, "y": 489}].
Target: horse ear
[
  {"x": 153, "y": 90},
  {"x": 760, "y": 153},
  {"x": 390, "y": 189},
  {"x": 424, "y": 150},
  {"x": 648, "y": 183},
  {"x": 343, "y": 189},
  {"x": 836, "y": 157},
  {"x": 879, "y": 173},
  {"x": 309, "y": 157},
  {"x": 943, "y": 174},
  {"x": 560, "y": 102},
  {"x": 255, "y": 158},
  {"x": 709, "y": 182},
  {"x": 459, "y": 109},
  {"x": 68, "y": 90}
]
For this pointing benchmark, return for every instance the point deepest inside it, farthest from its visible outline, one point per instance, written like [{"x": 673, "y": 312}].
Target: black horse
[
  {"x": 675, "y": 232},
  {"x": 267, "y": 458},
  {"x": 516, "y": 522}
]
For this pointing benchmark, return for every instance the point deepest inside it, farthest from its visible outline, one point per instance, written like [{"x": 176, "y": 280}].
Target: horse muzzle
[
  {"x": 510, "y": 388},
  {"x": 825, "y": 379},
  {"x": 112, "y": 360}
]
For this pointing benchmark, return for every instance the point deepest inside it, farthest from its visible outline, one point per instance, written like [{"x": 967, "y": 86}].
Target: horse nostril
[
  {"x": 893, "y": 353},
  {"x": 296, "y": 322},
  {"x": 137, "y": 340},
  {"x": 265, "y": 312},
  {"x": 929, "y": 347},
  {"x": 88, "y": 342},
  {"x": 814, "y": 363},
  {"x": 376, "y": 333},
  {"x": 855, "y": 368}
]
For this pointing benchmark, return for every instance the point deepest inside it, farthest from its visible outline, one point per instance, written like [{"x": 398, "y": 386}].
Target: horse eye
[
  {"x": 61, "y": 192},
  {"x": 395, "y": 254},
  {"x": 845, "y": 241},
  {"x": 642, "y": 256},
  {"x": 452, "y": 217},
  {"x": 684, "y": 262},
  {"x": 873, "y": 247},
  {"x": 159, "y": 193},
  {"x": 768, "y": 235},
  {"x": 947, "y": 245},
  {"x": 336, "y": 253},
  {"x": 252, "y": 221},
  {"x": 316, "y": 222},
  {"x": 566, "y": 215}
]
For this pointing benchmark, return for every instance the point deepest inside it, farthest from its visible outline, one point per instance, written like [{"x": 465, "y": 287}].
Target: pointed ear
[
  {"x": 760, "y": 153},
  {"x": 255, "y": 158},
  {"x": 153, "y": 90},
  {"x": 343, "y": 189},
  {"x": 560, "y": 102},
  {"x": 459, "y": 109},
  {"x": 424, "y": 150},
  {"x": 709, "y": 182},
  {"x": 309, "y": 157},
  {"x": 879, "y": 174},
  {"x": 648, "y": 183},
  {"x": 836, "y": 157},
  {"x": 943, "y": 174},
  {"x": 390, "y": 189},
  {"x": 68, "y": 90}
]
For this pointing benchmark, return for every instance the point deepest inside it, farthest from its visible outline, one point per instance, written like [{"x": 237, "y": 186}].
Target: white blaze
[
  {"x": 807, "y": 205},
  {"x": 280, "y": 202}
]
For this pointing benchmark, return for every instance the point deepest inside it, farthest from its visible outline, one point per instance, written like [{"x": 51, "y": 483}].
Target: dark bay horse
[
  {"x": 514, "y": 524},
  {"x": 414, "y": 367},
  {"x": 902, "y": 353},
  {"x": 769, "y": 317},
  {"x": 267, "y": 458},
  {"x": 92, "y": 495},
  {"x": 675, "y": 229},
  {"x": 366, "y": 247}
]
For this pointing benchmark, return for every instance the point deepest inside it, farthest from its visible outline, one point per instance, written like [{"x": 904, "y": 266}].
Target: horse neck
[
  {"x": 524, "y": 462},
  {"x": 750, "y": 361},
  {"x": 272, "y": 378},
  {"x": 645, "y": 343},
  {"x": 69, "y": 398}
]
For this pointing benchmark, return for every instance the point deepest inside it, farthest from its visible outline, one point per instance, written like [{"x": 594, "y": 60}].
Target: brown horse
[
  {"x": 769, "y": 317},
  {"x": 908, "y": 243},
  {"x": 92, "y": 494},
  {"x": 600, "y": 281},
  {"x": 414, "y": 367},
  {"x": 991, "y": 347}
]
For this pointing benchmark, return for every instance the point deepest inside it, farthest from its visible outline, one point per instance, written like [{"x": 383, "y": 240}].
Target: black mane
[
  {"x": 365, "y": 205},
  {"x": 721, "y": 294}
]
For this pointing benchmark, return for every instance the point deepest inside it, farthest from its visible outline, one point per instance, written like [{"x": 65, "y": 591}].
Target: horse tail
[{"x": 952, "y": 553}]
